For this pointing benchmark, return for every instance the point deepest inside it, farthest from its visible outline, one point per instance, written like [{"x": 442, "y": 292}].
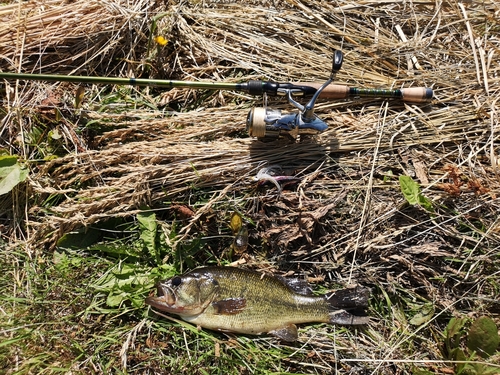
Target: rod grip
[
  {"x": 329, "y": 92},
  {"x": 412, "y": 94},
  {"x": 417, "y": 94}
]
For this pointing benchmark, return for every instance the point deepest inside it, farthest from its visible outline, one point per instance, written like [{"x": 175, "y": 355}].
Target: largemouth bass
[{"x": 236, "y": 300}]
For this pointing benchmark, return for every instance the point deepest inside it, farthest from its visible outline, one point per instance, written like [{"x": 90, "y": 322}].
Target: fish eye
[{"x": 176, "y": 281}]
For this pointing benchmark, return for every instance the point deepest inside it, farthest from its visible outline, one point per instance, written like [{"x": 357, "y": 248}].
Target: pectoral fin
[
  {"x": 229, "y": 306},
  {"x": 288, "y": 333}
]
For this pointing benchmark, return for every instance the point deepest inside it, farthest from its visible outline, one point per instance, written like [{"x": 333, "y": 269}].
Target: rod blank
[
  {"x": 413, "y": 94},
  {"x": 121, "y": 81}
]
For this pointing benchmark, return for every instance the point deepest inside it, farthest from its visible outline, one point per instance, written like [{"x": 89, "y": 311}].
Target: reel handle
[{"x": 338, "y": 58}]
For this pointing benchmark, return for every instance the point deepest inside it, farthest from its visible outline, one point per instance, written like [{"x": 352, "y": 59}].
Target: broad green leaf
[
  {"x": 80, "y": 239},
  {"x": 11, "y": 173},
  {"x": 458, "y": 355},
  {"x": 7, "y": 160},
  {"x": 483, "y": 337},
  {"x": 114, "y": 300},
  {"x": 126, "y": 283},
  {"x": 147, "y": 221},
  {"x": 55, "y": 135},
  {"x": 454, "y": 326},
  {"x": 411, "y": 192},
  {"x": 410, "y": 189},
  {"x": 425, "y": 203},
  {"x": 423, "y": 316},
  {"x": 452, "y": 336},
  {"x": 148, "y": 228}
]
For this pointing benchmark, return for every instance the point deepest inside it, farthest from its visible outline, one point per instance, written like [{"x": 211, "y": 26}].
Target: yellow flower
[{"x": 161, "y": 40}]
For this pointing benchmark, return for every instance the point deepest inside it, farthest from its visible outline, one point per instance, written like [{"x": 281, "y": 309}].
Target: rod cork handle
[
  {"x": 417, "y": 94},
  {"x": 329, "y": 92},
  {"x": 412, "y": 94}
]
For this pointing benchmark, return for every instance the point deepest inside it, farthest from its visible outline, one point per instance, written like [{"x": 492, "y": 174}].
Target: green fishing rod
[
  {"x": 254, "y": 87},
  {"x": 261, "y": 122}
]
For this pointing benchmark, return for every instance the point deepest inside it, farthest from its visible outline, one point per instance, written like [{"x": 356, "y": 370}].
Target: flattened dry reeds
[{"x": 71, "y": 36}]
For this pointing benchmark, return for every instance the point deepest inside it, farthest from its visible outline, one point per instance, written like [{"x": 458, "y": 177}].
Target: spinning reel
[{"x": 272, "y": 123}]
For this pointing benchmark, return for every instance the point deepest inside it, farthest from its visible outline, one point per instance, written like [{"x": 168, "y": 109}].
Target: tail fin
[
  {"x": 354, "y": 299},
  {"x": 344, "y": 318},
  {"x": 351, "y": 298}
]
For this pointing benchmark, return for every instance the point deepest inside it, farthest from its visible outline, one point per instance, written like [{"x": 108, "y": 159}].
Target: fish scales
[
  {"x": 270, "y": 303},
  {"x": 237, "y": 300}
]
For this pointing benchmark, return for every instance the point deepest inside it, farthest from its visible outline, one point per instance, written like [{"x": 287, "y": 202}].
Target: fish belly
[{"x": 257, "y": 320}]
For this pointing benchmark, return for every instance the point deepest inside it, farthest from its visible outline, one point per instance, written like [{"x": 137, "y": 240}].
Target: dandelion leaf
[
  {"x": 483, "y": 337},
  {"x": 410, "y": 189},
  {"x": 11, "y": 173}
]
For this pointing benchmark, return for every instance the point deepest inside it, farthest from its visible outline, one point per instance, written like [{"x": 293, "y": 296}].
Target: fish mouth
[{"x": 165, "y": 299}]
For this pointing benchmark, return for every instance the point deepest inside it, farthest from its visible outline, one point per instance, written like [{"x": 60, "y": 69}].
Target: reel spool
[{"x": 272, "y": 123}]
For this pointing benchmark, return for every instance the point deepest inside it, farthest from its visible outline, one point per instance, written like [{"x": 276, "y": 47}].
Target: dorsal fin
[{"x": 297, "y": 285}]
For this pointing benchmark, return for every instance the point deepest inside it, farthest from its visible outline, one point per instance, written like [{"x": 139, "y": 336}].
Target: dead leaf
[
  {"x": 420, "y": 172},
  {"x": 322, "y": 211},
  {"x": 183, "y": 211},
  {"x": 235, "y": 223}
]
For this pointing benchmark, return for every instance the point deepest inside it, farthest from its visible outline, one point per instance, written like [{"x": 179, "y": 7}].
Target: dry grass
[
  {"x": 67, "y": 37},
  {"x": 128, "y": 148}
]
